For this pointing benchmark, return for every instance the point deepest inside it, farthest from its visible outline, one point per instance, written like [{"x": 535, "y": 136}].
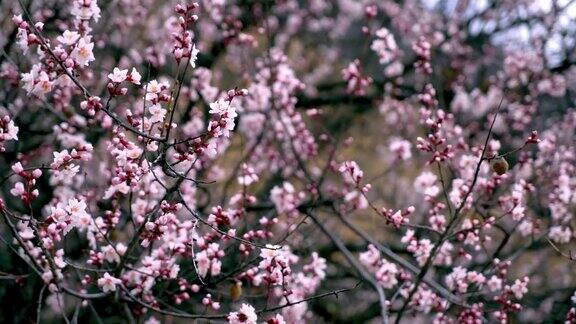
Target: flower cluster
[
  {"x": 386, "y": 273},
  {"x": 8, "y": 131}
]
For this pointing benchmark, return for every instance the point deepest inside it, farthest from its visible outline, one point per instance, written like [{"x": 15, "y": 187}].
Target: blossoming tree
[{"x": 287, "y": 161}]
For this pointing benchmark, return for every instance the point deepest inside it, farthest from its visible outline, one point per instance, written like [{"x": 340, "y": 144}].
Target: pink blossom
[
  {"x": 108, "y": 283},
  {"x": 118, "y": 75},
  {"x": 82, "y": 53},
  {"x": 245, "y": 315}
]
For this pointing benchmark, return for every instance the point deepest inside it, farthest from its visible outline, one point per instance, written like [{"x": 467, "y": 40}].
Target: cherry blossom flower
[
  {"x": 18, "y": 189},
  {"x": 82, "y": 53},
  {"x": 158, "y": 113},
  {"x": 108, "y": 283},
  {"x": 351, "y": 172},
  {"x": 134, "y": 76},
  {"x": 68, "y": 37},
  {"x": 520, "y": 287},
  {"x": 77, "y": 210},
  {"x": 245, "y": 315},
  {"x": 494, "y": 283},
  {"x": 118, "y": 75}
]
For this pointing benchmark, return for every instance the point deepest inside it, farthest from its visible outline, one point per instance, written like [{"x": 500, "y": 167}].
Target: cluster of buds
[
  {"x": 397, "y": 218},
  {"x": 276, "y": 265},
  {"x": 196, "y": 147},
  {"x": 181, "y": 155},
  {"x": 128, "y": 170},
  {"x": 533, "y": 138},
  {"x": 428, "y": 97},
  {"x": 231, "y": 29},
  {"x": 154, "y": 230},
  {"x": 96, "y": 258},
  {"x": 247, "y": 175},
  {"x": 25, "y": 190},
  {"x": 435, "y": 142},
  {"x": 423, "y": 56},
  {"x": 92, "y": 105},
  {"x": 253, "y": 235},
  {"x": 26, "y": 37},
  {"x": 184, "y": 9},
  {"x": 357, "y": 81},
  {"x": 251, "y": 275},
  {"x": 86, "y": 280},
  {"x": 55, "y": 224},
  {"x": 208, "y": 301},
  {"x": 386, "y": 273},
  {"x": 501, "y": 268},
  {"x": 470, "y": 232},
  {"x": 219, "y": 217},
  {"x": 233, "y": 93},
  {"x": 506, "y": 307},
  {"x": 354, "y": 192},
  {"x": 64, "y": 158},
  {"x": 110, "y": 219},
  {"x": 182, "y": 36},
  {"x": 437, "y": 220},
  {"x": 182, "y": 294},
  {"x": 473, "y": 314}
]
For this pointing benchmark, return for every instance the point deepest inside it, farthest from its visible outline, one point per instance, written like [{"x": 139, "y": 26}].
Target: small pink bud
[
  {"x": 17, "y": 168},
  {"x": 37, "y": 173}
]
